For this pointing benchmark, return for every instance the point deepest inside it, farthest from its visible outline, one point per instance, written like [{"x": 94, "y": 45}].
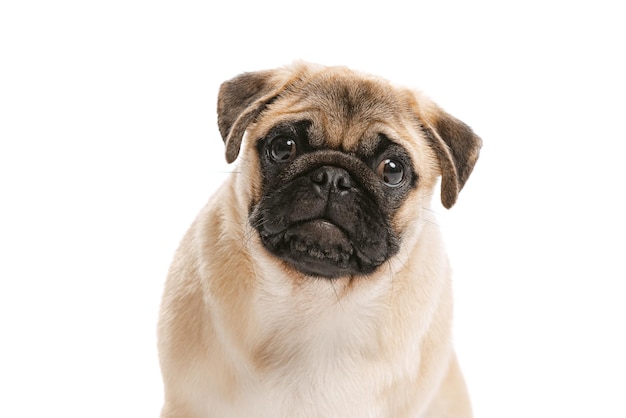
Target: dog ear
[
  {"x": 240, "y": 101},
  {"x": 457, "y": 148}
]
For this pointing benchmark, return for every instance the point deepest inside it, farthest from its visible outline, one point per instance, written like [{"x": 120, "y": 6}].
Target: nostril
[
  {"x": 319, "y": 176},
  {"x": 343, "y": 181}
]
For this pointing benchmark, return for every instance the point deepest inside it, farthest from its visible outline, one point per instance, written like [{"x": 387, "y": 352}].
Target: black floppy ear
[
  {"x": 240, "y": 101},
  {"x": 457, "y": 148}
]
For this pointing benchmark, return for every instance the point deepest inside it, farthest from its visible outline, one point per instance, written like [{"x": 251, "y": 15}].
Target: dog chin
[{"x": 319, "y": 248}]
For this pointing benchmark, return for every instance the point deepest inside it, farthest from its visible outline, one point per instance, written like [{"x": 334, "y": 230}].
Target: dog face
[
  {"x": 337, "y": 165},
  {"x": 326, "y": 211}
]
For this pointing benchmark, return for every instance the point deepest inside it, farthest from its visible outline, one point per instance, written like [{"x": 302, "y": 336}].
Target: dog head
[{"x": 337, "y": 164}]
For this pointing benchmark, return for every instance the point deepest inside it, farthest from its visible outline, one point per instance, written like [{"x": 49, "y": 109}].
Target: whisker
[
  {"x": 392, "y": 276},
  {"x": 428, "y": 221},
  {"x": 332, "y": 284}
]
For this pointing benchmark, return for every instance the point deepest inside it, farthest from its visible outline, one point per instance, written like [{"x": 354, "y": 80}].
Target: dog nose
[{"x": 329, "y": 178}]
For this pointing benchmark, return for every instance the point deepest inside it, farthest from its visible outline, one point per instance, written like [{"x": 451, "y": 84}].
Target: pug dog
[{"x": 314, "y": 283}]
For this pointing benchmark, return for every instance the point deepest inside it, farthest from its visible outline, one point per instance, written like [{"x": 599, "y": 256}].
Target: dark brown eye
[
  {"x": 391, "y": 172},
  {"x": 282, "y": 149}
]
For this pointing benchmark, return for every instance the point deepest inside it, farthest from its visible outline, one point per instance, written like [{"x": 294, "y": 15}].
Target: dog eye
[
  {"x": 391, "y": 172},
  {"x": 282, "y": 149}
]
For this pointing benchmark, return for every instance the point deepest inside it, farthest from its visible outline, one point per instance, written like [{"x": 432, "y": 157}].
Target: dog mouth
[
  {"x": 318, "y": 247},
  {"x": 319, "y": 239},
  {"x": 327, "y": 220}
]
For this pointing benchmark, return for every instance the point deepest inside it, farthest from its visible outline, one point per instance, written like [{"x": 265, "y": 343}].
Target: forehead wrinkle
[
  {"x": 332, "y": 129},
  {"x": 347, "y": 104},
  {"x": 348, "y": 136},
  {"x": 282, "y": 112},
  {"x": 343, "y": 110}
]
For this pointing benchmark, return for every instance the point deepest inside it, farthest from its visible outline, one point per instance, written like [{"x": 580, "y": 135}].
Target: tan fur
[{"x": 243, "y": 335}]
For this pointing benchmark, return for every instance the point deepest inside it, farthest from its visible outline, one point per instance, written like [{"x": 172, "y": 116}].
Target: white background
[{"x": 109, "y": 147}]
